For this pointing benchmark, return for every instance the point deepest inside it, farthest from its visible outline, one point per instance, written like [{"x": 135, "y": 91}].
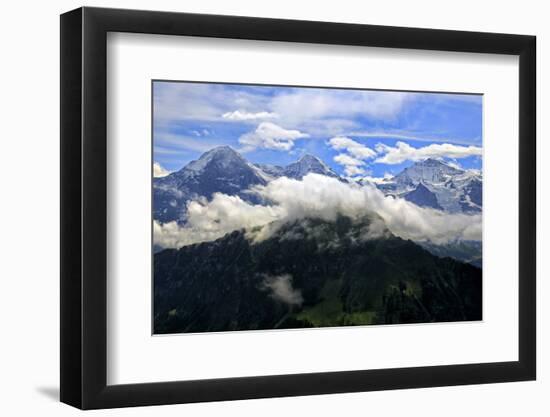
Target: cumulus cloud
[
  {"x": 316, "y": 196},
  {"x": 159, "y": 171},
  {"x": 356, "y": 154},
  {"x": 353, "y": 171},
  {"x": 402, "y": 152},
  {"x": 344, "y": 159},
  {"x": 352, "y": 166},
  {"x": 281, "y": 289},
  {"x": 240, "y": 115},
  {"x": 271, "y": 136},
  {"x": 354, "y": 148}
]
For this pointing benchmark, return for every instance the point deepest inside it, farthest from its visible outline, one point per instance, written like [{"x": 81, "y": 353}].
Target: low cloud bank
[
  {"x": 280, "y": 288},
  {"x": 316, "y": 196}
]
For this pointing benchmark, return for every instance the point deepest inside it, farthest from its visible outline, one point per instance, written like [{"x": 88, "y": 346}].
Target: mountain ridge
[{"x": 285, "y": 282}]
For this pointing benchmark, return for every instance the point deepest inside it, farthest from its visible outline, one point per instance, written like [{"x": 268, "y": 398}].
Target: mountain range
[
  {"x": 428, "y": 183},
  {"x": 222, "y": 170}
]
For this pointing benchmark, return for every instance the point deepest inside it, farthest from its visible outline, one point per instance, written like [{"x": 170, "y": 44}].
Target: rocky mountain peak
[{"x": 308, "y": 164}]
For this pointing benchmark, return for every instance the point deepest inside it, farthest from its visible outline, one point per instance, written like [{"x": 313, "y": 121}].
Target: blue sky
[{"x": 356, "y": 132}]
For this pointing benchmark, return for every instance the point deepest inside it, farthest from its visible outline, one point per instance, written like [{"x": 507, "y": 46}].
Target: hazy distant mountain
[
  {"x": 310, "y": 273},
  {"x": 466, "y": 251}
]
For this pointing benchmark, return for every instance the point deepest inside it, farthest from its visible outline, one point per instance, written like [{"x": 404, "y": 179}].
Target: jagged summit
[
  {"x": 429, "y": 170},
  {"x": 432, "y": 162},
  {"x": 220, "y": 170},
  {"x": 224, "y": 155},
  {"x": 221, "y": 149},
  {"x": 308, "y": 159},
  {"x": 308, "y": 164}
]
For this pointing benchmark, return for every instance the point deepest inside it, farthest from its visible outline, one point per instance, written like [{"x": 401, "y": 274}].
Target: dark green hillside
[{"x": 309, "y": 274}]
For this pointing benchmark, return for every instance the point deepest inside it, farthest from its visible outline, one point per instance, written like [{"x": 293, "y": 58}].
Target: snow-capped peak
[
  {"x": 455, "y": 189},
  {"x": 308, "y": 164},
  {"x": 430, "y": 170},
  {"x": 223, "y": 155}
]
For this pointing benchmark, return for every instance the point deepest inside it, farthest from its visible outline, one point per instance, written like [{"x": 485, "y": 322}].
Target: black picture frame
[{"x": 84, "y": 207}]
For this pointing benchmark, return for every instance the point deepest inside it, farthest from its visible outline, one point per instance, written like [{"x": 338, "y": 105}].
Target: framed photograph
[{"x": 257, "y": 208}]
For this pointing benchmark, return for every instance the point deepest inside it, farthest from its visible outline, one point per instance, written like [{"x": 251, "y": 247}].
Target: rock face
[
  {"x": 472, "y": 198},
  {"x": 310, "y": 273},
  {"x": 423, "y": 197}
]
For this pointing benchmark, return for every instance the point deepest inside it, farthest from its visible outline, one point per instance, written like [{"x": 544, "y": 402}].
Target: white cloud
[
  {"x": 316, "y": 196},
  {"x": 352, "y": 166},
  {"x": 354, "y": 148},
  {"x": 270, "y": 136},
  {"x": 357, "y": 153},
  {"x": 378, "y": 180},
  {"x": 404, "y": 152},
  {"x": 306, "y": 104},
  {"x": 404, "y": 135},
  {"x": 240, "y": 115},
  {"x": 159, "y": 171},
  {"x": 353, "y": 171},
  {"x": 454, "y": 164},
  {"x": 344, "y": 159},
  {"x": 280, "y": 288},
  {"x": 211, "y": 220}
]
